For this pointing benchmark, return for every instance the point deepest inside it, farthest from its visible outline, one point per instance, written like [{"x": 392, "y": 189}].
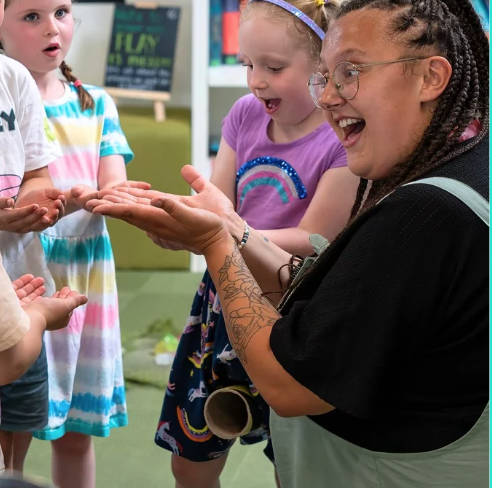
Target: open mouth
[
  {"x": 52, "y": 50},
  {"x": 271, "y": 104},
  {"x": 351, "y": 129}
]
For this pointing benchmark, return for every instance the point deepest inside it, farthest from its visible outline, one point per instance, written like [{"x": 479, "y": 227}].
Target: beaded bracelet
[{"x": 245, "y": 238}]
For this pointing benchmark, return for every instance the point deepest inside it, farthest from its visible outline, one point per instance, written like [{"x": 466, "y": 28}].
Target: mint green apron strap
[{"x": 460, "y": 190}]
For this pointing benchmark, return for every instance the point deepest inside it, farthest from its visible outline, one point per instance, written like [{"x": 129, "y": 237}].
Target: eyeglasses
[{"x": 345, "y": 78}]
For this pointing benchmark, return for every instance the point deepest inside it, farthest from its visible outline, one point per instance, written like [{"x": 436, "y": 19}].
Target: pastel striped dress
[{"x": 87, "y": 392}]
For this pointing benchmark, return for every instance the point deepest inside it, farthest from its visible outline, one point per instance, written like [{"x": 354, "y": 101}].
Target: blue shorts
[
  {"x": 204, "y": 362},
  {"x": 24, "y": 402}
]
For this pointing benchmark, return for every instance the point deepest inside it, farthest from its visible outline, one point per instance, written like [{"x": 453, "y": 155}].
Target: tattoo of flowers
[{"x": 250, "y": 312}]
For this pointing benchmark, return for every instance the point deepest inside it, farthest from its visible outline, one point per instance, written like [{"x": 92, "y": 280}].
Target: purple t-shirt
[{"x": 276, "y": 182}]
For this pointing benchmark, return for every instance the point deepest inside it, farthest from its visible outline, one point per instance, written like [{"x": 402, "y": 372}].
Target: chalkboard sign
[{"x": 141, "y": 53}]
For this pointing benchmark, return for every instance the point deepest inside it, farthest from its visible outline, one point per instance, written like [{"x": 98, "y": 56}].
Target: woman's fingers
[
  {"x": 135, "y": 192},
  {"x": 196, "y": 180},
  {"x": 142, "y": 185}
]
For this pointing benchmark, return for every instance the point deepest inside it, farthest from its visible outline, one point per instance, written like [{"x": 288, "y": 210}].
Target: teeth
[{"x": 346, "y": 122}]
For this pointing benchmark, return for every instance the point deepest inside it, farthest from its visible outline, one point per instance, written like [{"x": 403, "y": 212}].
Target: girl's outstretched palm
[
  {"x": 28, "y": 288},
  {"x": 56, "y": 310}
]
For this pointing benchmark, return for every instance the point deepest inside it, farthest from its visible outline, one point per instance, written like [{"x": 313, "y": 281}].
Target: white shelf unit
[
  {"x": 227, "y": 77},
  {"x": 204, "y": 79}
]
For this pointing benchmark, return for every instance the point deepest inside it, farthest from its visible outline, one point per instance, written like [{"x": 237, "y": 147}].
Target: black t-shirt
[{"x": 391, "y": 327}]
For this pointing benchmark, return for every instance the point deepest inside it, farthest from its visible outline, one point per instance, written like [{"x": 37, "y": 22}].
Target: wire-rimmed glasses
[{"x": 345, "y": 78}]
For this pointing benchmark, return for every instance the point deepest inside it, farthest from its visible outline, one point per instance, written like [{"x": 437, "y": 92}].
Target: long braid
[
  {"x": 453, "y": 28},
  {"x": 359, "y": 198},
  {"x": 86, "y": 101}
]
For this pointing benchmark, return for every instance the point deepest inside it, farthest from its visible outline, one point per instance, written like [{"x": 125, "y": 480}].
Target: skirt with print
[
  {"x": 204, "y": 362},
  {"x": 85, "y": 369}
]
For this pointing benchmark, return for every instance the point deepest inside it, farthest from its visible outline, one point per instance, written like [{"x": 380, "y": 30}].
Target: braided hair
[
  {"x": 85, "y": 99},
  {"x": 453, "y": 29}
]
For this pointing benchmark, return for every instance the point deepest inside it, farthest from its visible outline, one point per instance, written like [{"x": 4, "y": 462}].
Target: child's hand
[
  {"x": 28, "y": 288},
  {"x": 30, "y": 218},
  {"x": 50, "y": 198},
  {"x": 81, "y": 194},
  {"x": 58, "y": 309}
]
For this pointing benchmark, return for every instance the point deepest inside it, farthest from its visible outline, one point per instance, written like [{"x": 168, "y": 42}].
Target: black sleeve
[{"x": 371, "y": 311}]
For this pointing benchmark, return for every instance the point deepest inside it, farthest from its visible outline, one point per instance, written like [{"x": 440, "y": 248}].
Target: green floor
[{"x": 129, "y": 457}]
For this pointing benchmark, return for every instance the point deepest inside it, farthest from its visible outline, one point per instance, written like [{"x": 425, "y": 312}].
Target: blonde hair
[
  {"x": 85, "y": 99},
  {"x": 321, "y": 14}
]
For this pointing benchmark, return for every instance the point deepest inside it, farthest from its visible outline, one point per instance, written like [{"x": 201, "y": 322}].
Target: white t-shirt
[{"x": 24, "y": 146}]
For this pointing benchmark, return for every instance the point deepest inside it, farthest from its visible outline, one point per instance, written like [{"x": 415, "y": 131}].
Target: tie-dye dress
[{"x": 87, "y": 392}]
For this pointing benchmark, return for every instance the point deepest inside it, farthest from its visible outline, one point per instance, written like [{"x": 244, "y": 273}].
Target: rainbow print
[
  {"x": 273, "y": 172},
  {"x": 196, "y": 435}
]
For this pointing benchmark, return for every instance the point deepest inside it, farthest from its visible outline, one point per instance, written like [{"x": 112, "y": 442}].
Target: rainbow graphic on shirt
[
  {"x": 9, "y": 185},
  {"x": 273, "y": 172}
]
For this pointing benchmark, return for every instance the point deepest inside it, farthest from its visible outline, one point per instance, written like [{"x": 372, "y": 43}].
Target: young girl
[
  {"x": 283, "y": 166},
  {"x": 87, "y": 395}
]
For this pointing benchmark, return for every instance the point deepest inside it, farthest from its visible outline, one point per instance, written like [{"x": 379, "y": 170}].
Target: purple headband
[{"x": 300, "y": 15}]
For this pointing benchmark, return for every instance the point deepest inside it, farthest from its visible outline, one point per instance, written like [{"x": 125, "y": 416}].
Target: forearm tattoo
[{"x": 245, "y": 309}]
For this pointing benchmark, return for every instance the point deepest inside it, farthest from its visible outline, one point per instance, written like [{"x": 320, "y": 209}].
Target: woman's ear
[{"x": 437, "y": 73}]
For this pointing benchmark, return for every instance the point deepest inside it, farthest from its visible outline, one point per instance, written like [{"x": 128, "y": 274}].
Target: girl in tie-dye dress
[{"x": 87, "y": 393}]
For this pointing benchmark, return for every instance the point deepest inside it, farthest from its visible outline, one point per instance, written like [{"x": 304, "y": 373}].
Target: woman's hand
[
  {"x": 81, "y": 194},
  {"x": 194, "y": 228},
  {"x": 169, "y": 245},
  {"x": 208, "y": 197}
]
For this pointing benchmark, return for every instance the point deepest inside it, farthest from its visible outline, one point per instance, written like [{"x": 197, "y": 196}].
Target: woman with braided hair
[{"x": 375, "y": 363}]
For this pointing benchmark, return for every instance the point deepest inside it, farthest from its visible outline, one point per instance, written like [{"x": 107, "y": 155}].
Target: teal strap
[{"x": 472, "y": 199}]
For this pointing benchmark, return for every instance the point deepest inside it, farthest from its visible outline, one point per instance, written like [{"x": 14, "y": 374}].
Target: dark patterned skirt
[{"x": 205, "y": 361}]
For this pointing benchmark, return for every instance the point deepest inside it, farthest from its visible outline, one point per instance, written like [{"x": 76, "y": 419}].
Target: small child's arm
[
  {"x": 327, "y": 214},
  {"x": 112, "y": 174},
  {"x": 24, "y": 316},
  {"x": 37, "y": 188}
]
